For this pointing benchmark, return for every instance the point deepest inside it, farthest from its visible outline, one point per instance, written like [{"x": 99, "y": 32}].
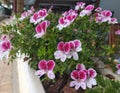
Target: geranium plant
[{"x": 61, "y": 46}]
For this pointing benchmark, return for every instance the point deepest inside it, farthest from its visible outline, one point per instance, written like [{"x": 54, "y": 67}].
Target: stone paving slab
[{"x": 6, "y": 78}]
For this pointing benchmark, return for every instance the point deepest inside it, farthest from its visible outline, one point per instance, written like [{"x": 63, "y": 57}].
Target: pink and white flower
[
  {"x": 41, "y": 28},
  {"x": 26, "y": 14},
  {"x": 117, "y": 32},
  {"x": 87, "y": 11},
  {"x": 99, "y": 19},
  {"x": 106, "y": 15},
  {"x": 80, "y": 5},
  {"x": 67, "y": 18},
  {"x": 68, "y": 50},
  {"x": 63, "y": 51},
  {"x": 75, "y": 47},
  {"x": 38, "y": 16},
  {"x": 46, "y": 67},
  {"x": 99, "y": 9},
  {"x": 82, "y": 77},
  {"x": 5, "y": 47},
  {"x": 113, "y": 21},
  {"x": 79, "y": 78},
  {"x": 118, "y": 67},
  {"x": 90, "y": 81}
]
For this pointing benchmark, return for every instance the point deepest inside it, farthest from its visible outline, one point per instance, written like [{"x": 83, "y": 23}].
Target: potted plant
[{"x": 62, "y": 48}]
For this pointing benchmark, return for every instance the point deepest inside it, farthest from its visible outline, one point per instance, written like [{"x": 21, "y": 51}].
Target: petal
[
  {"x": 90, "y": 82},
  {"x": 78, "y": 49},
  {"x": 38, "y": 28},
  {"x": 3, "y": 37},
  {"x": 92, "y": 73},
  {"x": 60, "y": 46},
  {"x": 73, "y": 83},
  {"x": 77, "y": 86},
  {"x": 82, "y": 13},
  {"x": 75, "y": 55},
  {"x": 80, "y": 67},
  {"x": 40, "y": 73},
  {"x": 118, "y": 71},
  {"x": 69, "y": 18},
  {"x": 5, "y": 45},
  {"x": 35, "y": 16},
  {"x": 77, "y": 7},
  {"x": 74, "y": 75},
  {"x": 42, "y": 64},
  {"x": 89, "y": 85},
  {"x": 77, "y": 43},
  {"x": 61, "y": 20},
  {"x": 66, "y": 47},
  {"x": 72, "y": 44},
  {"x": 93, "y": 81},
  {"x": 83, "y": 85},
  {"x": 89, "y": 7},
  {"x": 44, "y": 25},
  {"x": 51, "y": 74},
  {"x": 69, "y": 55},
  {"x": 39, "y": 35},
  {"x": 58, "y": 54},
  {"x": 50, "y": 64},
  {"x": 82, "y": 75},
  {"x": 60, "y": 27},
  {"x": 63, "y": 58},
  {"x": 118, "y": 66}
]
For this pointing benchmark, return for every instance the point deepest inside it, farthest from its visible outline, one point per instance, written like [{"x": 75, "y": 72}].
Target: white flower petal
[
  {"x": 93, "y": 81},
  {"x": 51, "y": 74},
  {"x": 40, "y": 73},
  {"x": 63, "y": 58},
  {"x": 75, "y": 55},
  {"x": 83, "y": 85},
  {"x": 39, "y": 35},
  {"x": 60, "y": 27},
  {"x": 78, "y": 49},
  {"x": 69, "y": 55},
  {"x": 89, "y": 85},
  {"x": 58, "y": 54},
  {"x": 73, "y": 83},
  {"x": 77, "y": 86},
  {"x": 118, "y": 71}
]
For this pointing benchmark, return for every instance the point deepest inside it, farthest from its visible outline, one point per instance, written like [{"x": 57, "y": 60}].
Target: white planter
[{"x": 27, "y": 81}]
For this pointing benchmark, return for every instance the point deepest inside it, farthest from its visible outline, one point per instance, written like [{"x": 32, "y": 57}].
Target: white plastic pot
[{"x": 27, "y": 82}]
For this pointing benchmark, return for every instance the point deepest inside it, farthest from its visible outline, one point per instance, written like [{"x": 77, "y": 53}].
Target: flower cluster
[
  {"x": 87, "y": 10},
  {"x": 67, "y": 18},
  {"x": 38, "y": 16},
  {"x": 46, "y": 67},
  {"x": 83, "y": 77},
  {"x": 104, "y": 16},
  {"x": 68, "y": 50},
  {"x": 5, "y": 47},
  {"x": 118, "y": 67},
  {"x": 27, "y": 13},
  {"x": 41, "y": 28}
]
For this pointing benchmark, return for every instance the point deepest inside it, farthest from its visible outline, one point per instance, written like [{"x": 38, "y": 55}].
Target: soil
[{"x": 60, "y": 86}]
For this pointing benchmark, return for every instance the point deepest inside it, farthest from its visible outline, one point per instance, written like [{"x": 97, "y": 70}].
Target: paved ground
[{"x": 6, "y": 78}]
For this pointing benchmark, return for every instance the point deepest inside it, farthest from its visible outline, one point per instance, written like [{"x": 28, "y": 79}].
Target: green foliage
[
  {"x": 105, "y": 85},
  {"x": 91, "y": 34}
]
